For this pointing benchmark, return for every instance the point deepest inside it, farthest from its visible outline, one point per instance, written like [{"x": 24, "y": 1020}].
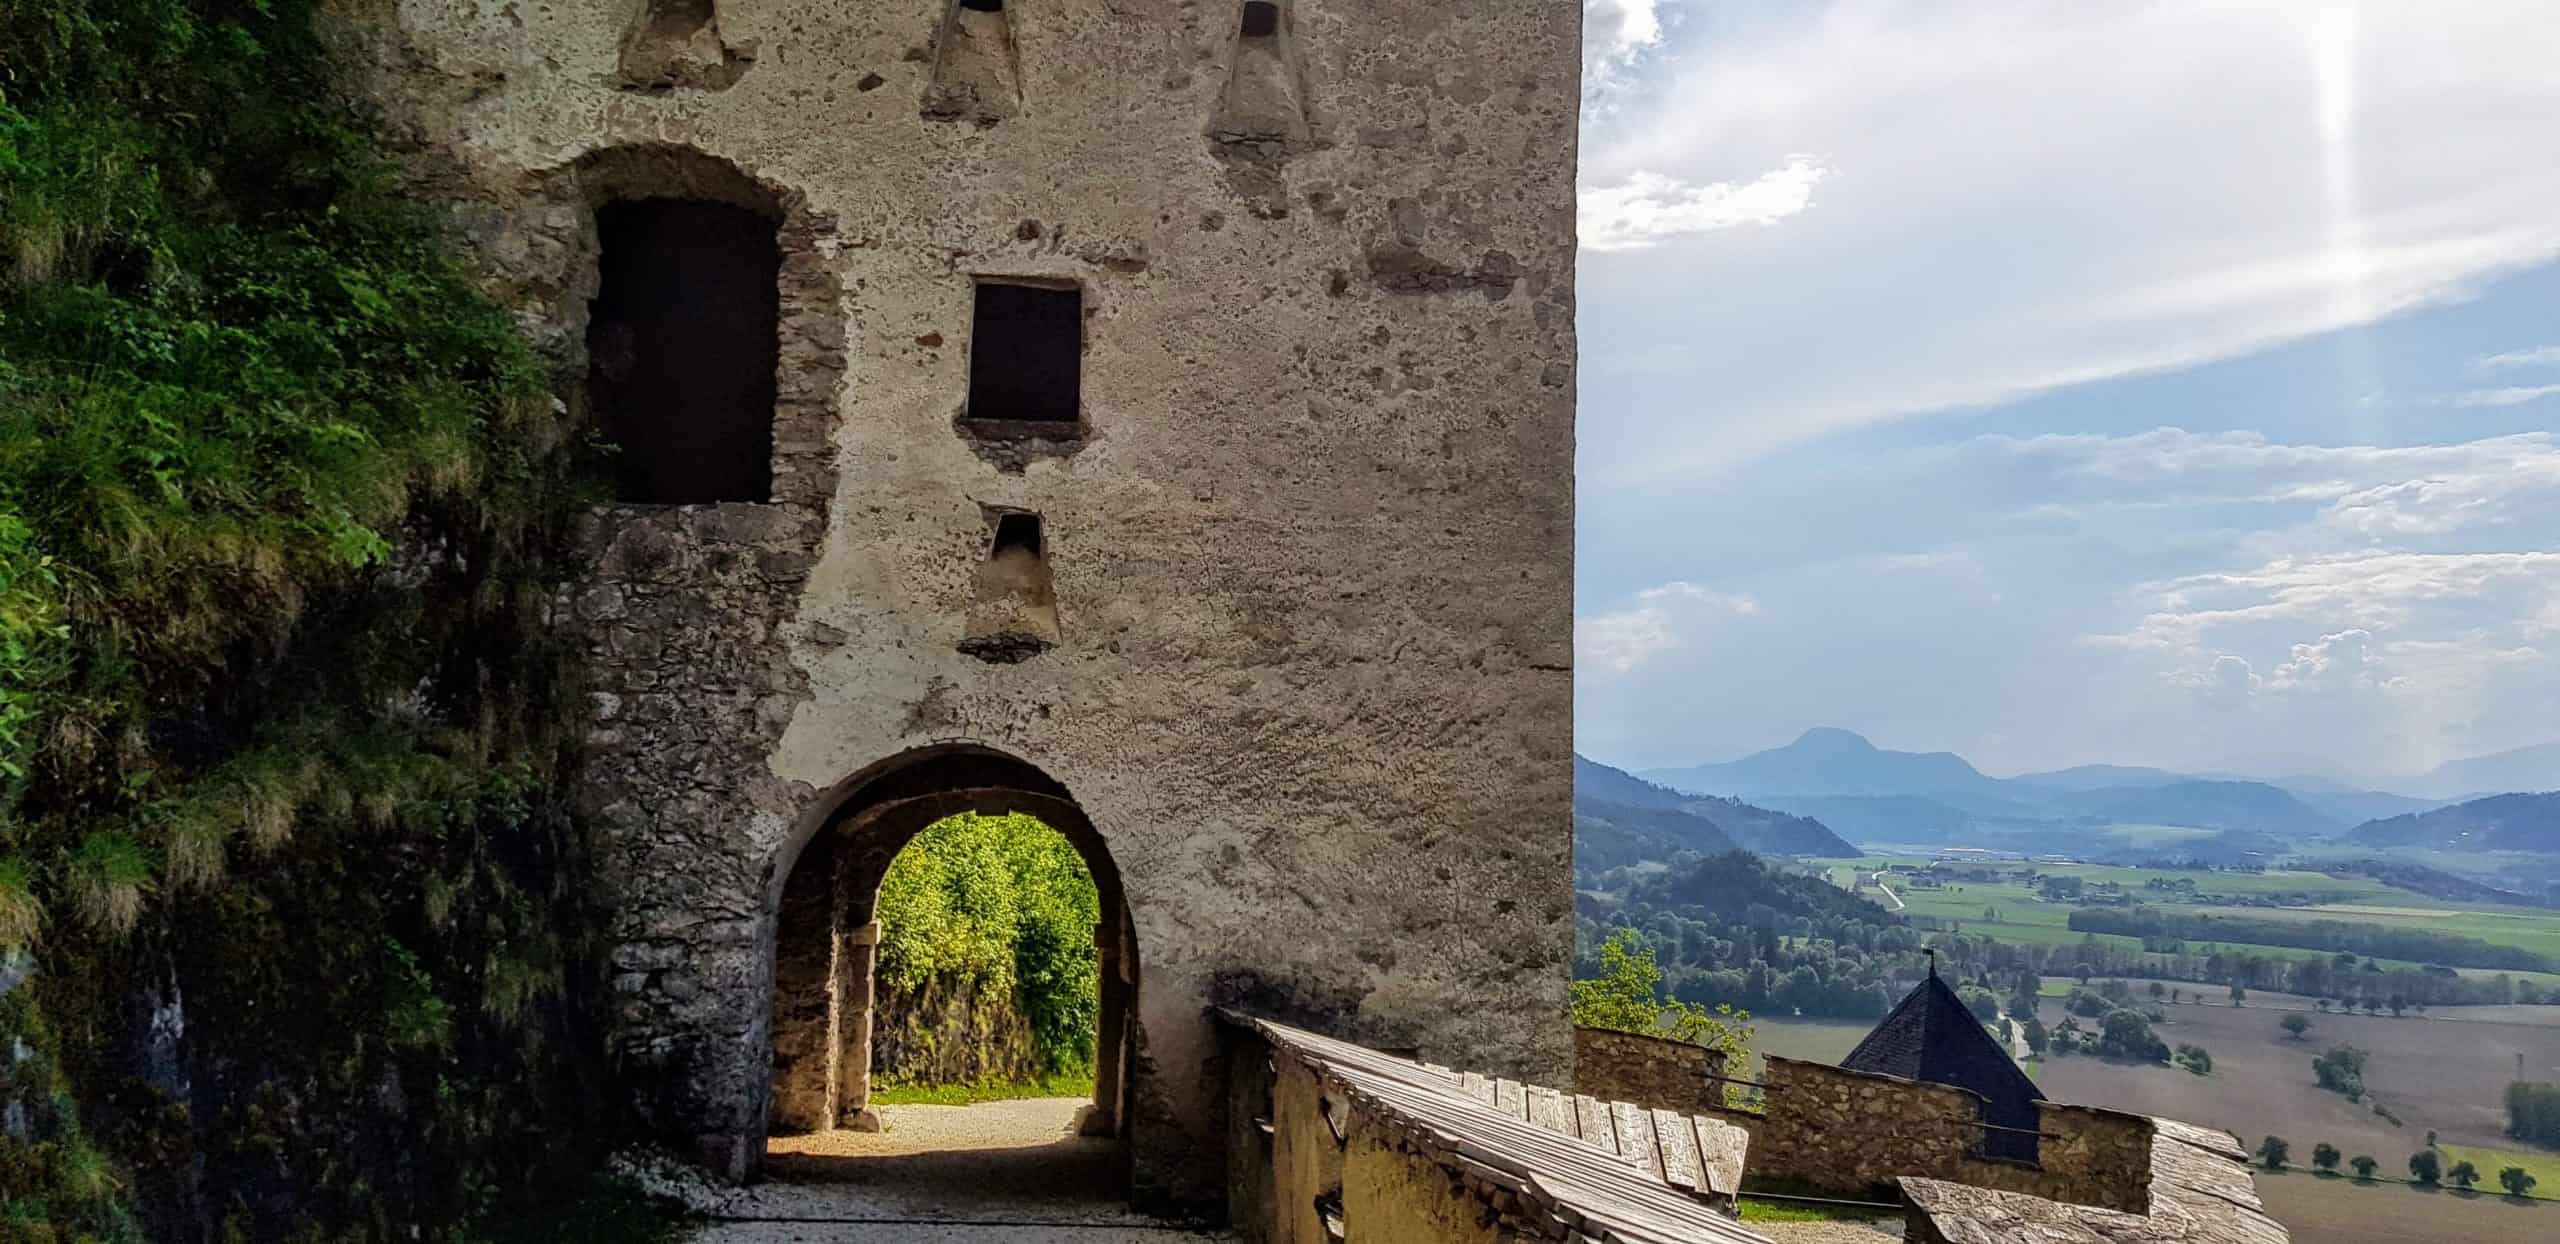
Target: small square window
[{"x": 1026, "y": 357}]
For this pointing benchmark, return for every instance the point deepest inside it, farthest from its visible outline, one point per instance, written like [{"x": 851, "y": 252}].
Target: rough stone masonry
[{"x": 1268, "y": 576}]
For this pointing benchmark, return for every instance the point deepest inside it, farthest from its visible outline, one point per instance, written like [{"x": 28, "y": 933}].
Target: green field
[
  {"x": 2022, "y": 916},
  {"x": 2542, "y": 1165}
]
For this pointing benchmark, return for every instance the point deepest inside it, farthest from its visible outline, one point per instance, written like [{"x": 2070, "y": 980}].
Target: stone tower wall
[{"x": 1311, "y": 559}]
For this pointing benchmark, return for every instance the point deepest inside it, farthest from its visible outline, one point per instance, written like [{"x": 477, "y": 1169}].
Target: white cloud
[
  {"x": 2366, "y": 491},
  {"x": 1615, "y": 34},
  {"x": 2045, "y": 195},
  {"x": 2372, "y": 592},
  {"x": 2512, "y": 395},
  {"x": 2347, "y": 660},
  {"x": 2545, "y": 356},
  {"x": 1656, "y": 623},
  {"x": 1647, "y": 209}
]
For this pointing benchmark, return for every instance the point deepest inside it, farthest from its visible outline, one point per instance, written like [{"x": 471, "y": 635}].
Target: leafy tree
[
  {"x": 1625, "y": 996},
  {"x": 2533, "y": 1111},
  {"x": 2341, "y": 1070},
  {"x": 2397, "y": 1004},
  {"x": 2326, "y": 1157},
  {"x": 2295, "y": 1025},
  {"x": 2037, "y": 1037},
  {"x": 1002, "y": 908},
  {"x": 2158, "y": 991},
  {"x": 2195, "y": 1058},
  {"x": 2125, "y": 1034},
  {"x": 2426, "y": 1166},
  {"x": 2272, "y": 1152},
  {"x": 2364, "y": 1164},
  {"x": 2462, "y": 1175},
  {"x": 2516, "y": 1180},
  {"x": 2239, "y": 995}
]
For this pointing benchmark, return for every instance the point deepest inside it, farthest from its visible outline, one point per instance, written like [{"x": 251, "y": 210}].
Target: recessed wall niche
[
  {"x": 682, "y": 344},
  {"x": 677, "y": 43},
  {"x": 977, "y": 67},
  {"x": 1263, "y": 101},
  {"x": 1014, "y": 616}
]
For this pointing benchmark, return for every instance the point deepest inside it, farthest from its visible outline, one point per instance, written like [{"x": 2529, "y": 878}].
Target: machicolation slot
[
  {"x": 1262, "y": 102},
  {"x": 977, "y": 70},
  {"x": 677, "y": 43},
  {"x": 1015, "y": 615}
]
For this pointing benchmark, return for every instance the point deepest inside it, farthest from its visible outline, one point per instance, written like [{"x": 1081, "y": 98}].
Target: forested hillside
[
  {"x": 2526, "y": 822},
  {"x": 1731, "y": 929},
  {"x": 1625, "y": 819},
  {"x": 292, "y": 901}
]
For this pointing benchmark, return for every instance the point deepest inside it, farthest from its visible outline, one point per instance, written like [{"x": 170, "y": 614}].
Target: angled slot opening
[{"x": 1015, "y": 615}]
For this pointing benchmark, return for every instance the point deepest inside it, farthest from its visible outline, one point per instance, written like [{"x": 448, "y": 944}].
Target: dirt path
[
  {"x": 1012, "y": 1171},
  {"x": 1878, "y": 882}
]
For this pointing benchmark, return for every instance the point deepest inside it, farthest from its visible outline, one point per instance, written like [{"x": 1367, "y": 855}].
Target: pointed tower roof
[{"x": 1931, "y": 1036}]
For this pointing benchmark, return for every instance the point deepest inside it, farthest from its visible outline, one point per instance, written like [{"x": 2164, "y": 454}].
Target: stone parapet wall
[
  {"x": 1855, "y": 1133},
  {"x": 2085, "y": 1155},
  {"x": 1650, "y": 1071},
  {"x": 1851, "y": 1133}
]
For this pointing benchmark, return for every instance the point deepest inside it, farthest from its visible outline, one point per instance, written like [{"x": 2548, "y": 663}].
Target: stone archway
[{"x": 825, "y": 935}]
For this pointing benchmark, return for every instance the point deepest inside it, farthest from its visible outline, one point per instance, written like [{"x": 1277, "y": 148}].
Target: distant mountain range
[
  {"x": 1873, "y": 794},
  {"x": 1621, "y": 819},
  {"x": 2524, "y": 822}
]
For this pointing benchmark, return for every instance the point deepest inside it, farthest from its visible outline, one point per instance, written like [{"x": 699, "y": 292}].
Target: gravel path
[{"x": 1010, "y": 1171}]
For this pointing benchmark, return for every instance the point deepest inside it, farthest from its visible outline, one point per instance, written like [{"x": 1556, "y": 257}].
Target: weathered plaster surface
[{"x": 1311, "y": 560}]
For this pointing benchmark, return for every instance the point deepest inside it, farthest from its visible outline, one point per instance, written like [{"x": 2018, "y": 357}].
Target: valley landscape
[{"x": 2420, "y": 932}]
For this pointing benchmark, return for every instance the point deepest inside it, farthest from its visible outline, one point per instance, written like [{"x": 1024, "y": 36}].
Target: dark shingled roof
[{"x": 1931, "y": 1036}]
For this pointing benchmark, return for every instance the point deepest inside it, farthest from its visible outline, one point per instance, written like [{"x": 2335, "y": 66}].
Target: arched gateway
[{"x": 826, "y": 882}]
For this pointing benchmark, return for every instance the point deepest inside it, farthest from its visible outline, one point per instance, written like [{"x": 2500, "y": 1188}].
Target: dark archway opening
[
  {"x": 829, "y": 1029},
  {"x": 682, "y": 347}
]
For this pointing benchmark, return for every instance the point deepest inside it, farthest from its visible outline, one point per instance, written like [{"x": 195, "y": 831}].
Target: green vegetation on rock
[
  {"x": 283, "y": 737},
  {"x": 986, "y": 931}
]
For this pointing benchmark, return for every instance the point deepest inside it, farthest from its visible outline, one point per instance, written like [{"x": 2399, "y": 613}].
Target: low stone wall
[
  {"x": 1850, "y": 1133},
  {"x": 2085, "y": 1156},
  {"x": 1656, "y": 1072},
  {"x": 1853, "y": 1133}
]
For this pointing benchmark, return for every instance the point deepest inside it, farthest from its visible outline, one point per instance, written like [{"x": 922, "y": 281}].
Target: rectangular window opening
[
  {"x": 1026, "y": 359},
  {"x": 682, "y": 344},
  {"x": 1261, "y": 19}
]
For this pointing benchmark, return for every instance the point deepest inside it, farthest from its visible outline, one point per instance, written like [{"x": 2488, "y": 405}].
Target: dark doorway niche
[
  {"x": 682, "y": 347},
  {"x": 983, "y": 6},
  {"x": 1261, "y": 19},
  {"x": 1026, "y": 361}
]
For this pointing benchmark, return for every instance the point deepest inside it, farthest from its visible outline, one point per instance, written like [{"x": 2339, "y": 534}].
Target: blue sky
[{"x": 2170, "y": 383}]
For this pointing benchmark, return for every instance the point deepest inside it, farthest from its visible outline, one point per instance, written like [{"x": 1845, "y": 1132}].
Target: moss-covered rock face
[{"x": 295, "y": 910}]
